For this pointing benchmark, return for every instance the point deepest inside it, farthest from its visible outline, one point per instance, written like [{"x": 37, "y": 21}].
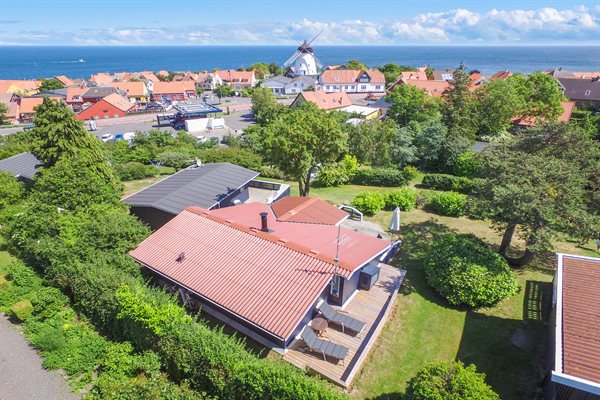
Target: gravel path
[{"x": 21, "y": 372}]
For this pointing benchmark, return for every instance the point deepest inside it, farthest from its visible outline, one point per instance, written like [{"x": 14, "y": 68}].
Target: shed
[{"x": 22, "y": 166}]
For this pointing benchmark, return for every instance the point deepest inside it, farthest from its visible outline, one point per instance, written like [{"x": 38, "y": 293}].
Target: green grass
[{"x": 506, "y": 342}]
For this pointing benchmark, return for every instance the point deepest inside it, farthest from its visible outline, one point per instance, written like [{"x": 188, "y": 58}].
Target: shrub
[
  {"x": 404, "y": 198},
  {"x": 380, "y": 177},
  {"x": 338, "y": 173},
  {"x": 466, "y": 164},
  {"x": 21, "y": 275},
  {"x": 448, "y": 182},
  {"x": 451, "y": 381},
  {"x": 410, "y": 172},
  {"x": 449, "y": 203},
  {"x": 134, "y": 170},
  {"x": 272, "y": 172},
  {"x": 242, "y": 157},
  {"x": 3, "y": 282},
  {"x": 48, "y": 301},
  {"x": 466, "y": 271},
  {"x": 22, "y": 310},
  {"x": 369, "y": 202},
  {"x": 11, "y": 190}
]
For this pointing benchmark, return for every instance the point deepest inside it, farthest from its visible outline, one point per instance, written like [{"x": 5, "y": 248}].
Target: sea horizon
[{"x": 29, "y": 62}]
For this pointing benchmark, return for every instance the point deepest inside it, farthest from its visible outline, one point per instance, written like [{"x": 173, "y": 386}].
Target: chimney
[{"x": 263, "y": 221}]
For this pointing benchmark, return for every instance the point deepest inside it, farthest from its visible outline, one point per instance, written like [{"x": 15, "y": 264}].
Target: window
[
  {"x": 116, "y": 115},
  {"x": 299, "y": 104},
  {"x": 327, "y": 87},
  {"x": 295, "y": 85},
  {"x": 363, "y": 87},
  {"x": 335, "y": 286},
  {"x": 378, "y": 87},
  {"x": 588, "y": 92}
]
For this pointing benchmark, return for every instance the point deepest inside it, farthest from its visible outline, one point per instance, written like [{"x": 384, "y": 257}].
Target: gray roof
[
  {"x": 381, "y": 103},
  {"x": 581, "y": 89},
  {"x": 21, "y": 165},
  {"x": 202, "y": 186},
  {"x": 54, "y": 92},
  {"x": 279, "y": 80},
  {"x": 480, "y": 146},
  {"x": 100, "y": 92}
]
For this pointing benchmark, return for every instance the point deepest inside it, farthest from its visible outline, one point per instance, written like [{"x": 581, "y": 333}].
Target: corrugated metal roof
[
  {"x": 20, "y": 165},
  {"x": 202, "y": 186},
  {"x": 581, "y": 317},
  {"x": 250, "y": 273},
  {"x": 355, "y": 249},
  {"x": 309, "y": 210}
]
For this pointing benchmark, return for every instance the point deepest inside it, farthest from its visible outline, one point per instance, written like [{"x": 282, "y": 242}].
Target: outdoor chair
[
  {"x": 325, "y": 347},
  {"x": 341, "y": 318}
]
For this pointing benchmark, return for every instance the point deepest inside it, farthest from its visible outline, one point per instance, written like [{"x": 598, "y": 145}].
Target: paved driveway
[{"x": 21, "y": 372}]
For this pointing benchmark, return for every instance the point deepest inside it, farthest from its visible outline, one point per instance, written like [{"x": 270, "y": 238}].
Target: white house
[
  {"x": 352, "y": 81},
  {"x": 208, "y": 80},
  {"x": 285, "y": 85}
]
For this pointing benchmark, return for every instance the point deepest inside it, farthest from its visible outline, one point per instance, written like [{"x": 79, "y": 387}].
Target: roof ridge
[{"x": 269, "y": 237}]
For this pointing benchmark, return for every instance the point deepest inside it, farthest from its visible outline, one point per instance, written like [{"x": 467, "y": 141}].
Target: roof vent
[
  {"x": 264, "y": 225},
  {"x": 180, "y": 257}
]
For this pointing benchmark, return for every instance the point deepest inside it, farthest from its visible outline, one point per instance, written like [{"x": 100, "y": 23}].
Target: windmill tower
[{"x": 304, "y": 60}]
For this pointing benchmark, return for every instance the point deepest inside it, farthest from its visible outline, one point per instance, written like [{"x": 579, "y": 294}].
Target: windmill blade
[
  {"x": 293, "y": 38},
  {"x": 316, "y": 36},
  {"x": 291, "y": 59}
]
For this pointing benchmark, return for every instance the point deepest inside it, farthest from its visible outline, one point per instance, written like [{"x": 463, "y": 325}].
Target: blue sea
[{"x": 19, "y": 62}]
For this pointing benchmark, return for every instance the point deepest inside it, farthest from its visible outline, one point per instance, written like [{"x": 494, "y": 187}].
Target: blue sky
[{"x": 111, "y": 22}]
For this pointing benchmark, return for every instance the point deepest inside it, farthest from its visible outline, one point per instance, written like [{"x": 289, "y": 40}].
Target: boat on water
[{"x": 81, "y": 60}]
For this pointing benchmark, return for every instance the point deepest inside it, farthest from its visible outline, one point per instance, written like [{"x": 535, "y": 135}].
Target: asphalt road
[{"x": 21, "y": 372}]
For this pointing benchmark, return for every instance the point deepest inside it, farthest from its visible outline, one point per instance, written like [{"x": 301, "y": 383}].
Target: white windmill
[{"x": 304, "y": 60}]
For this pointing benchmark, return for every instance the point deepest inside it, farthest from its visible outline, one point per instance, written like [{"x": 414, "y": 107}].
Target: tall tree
[
  {"x": 356, "y": 64},
  {"x": 458, "y": 113},
  {"x": 497, "y": 102},
  {"x": 540, "y": 183},
  {"x": 3, "y": 114},
  {"x": 299, "y": 141},
  {"x": 264, "y": 105},
  {"x": 409, "y": 103},
  {"x": 371, "y": 142},
  {"x": 51, "y": 84},
  {"x": 57, "y": 134},
  {"x": 545, "y": 96}
]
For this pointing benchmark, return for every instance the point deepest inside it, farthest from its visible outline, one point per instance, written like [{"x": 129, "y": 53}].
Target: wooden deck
[{"x": 370, "y": 306}]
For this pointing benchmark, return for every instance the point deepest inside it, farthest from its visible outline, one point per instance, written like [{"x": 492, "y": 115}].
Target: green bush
[
  {"x": 404, "y": 198},
  {"x": 21, "y": 275},
  {"x": 134, "y": 170},
  {"x": 449, "y": 380},
  {"x": 11, "y": 190},
  {"x": 242, "y": 157},
  {"x": 448, "y": 182},
  {"x": 410, "y": 172},
  {"x": 465, "y": 271},
  {"x": 48, "y": 301},
  {"x": 22, "y": 310},
  {"x": 272, "y": 172},
  {"x": 338, "y": 173},
  {"x": 369, "y": 202},
  {"x": 380, "y": 177},
  {"x": 3, "y": 282},
  {"x": 466, "y": 164},
  {"x": 452, "y": 204}
]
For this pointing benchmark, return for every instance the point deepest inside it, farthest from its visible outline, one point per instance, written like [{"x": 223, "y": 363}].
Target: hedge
[
  {"x": 448, "y": 182},
  {"x": 242, "y": 157},
  {"x": 134, "y": 170},
  {"x": 452, "y": 204},
  {"x": 404, "y": 198},
  {"x": 465, "y": 271},
  {"x": 380, "y": 177},
  {"x": 104, "y": 282},
  {"x": 22, "y": 310},
  {"x": 369, "y": 202}
]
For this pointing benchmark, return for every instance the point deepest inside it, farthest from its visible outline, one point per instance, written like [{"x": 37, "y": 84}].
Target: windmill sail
[{"x": 292, "y": 59}]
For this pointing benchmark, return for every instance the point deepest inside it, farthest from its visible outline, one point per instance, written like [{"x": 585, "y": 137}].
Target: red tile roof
[
  {"x": 326, "y": 101},
  {"x": 568, "y": 107},
  {"x": 355, "y": 250},
  {"x": 101, "y": 78},
  {"x": 432, "y": 88},
  {"x": 340, "y": 76},
  {"x": 580, "y": 317},
  {"x": 27, "y": 104},
  {"x": 232, "y": 76},
  {"x": 132, "y": 89},
  {"x": 118, "y": 101},
  {"x": 501, "y": 75},
  {"x": 64, "y": 80},
  {"x": 270, "y": 283},
  {"x": 418, "y": 75},
  {"x": 169, "y": 88},
  {"x": 310, "y": 210}
]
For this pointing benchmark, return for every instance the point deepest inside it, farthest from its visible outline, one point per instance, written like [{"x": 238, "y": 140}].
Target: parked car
[
  {"x": 129, "y": 136},
  {"x": 202, "y": 139},
  {"x": 118, "y": 136},
  {"x": 107, "y": 137}
]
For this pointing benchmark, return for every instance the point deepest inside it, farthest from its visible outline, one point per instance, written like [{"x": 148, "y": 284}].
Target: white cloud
[{"x": 578, "y": 24}]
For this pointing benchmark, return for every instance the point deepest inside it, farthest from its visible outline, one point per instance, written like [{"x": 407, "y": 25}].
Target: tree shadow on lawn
[{"x": 510, "y": 351}]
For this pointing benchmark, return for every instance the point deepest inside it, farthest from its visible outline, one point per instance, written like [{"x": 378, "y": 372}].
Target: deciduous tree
[
  {"x": 299, "y": 141},
  {"x": 458, "y": 112},
  {"x": 50, "y": 84}
]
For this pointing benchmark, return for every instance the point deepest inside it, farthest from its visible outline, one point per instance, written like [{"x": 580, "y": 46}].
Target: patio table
[{"x": 319, "y": 325}]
